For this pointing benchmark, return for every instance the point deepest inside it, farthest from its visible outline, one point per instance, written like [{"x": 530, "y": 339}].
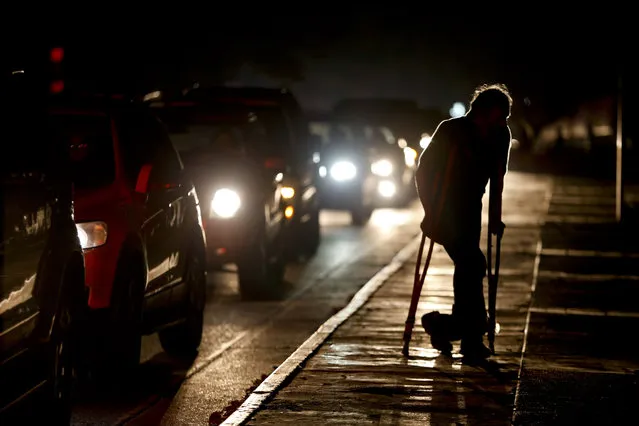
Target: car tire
[
  {"x": 122, "y": 354},
  {"x": 360, "y": 216},
  {"x": 63, "y": 345},
  {"x": 311, "y": 236},
  {"x": 184, "y": 339},
  {"x": 258, "y": 274}
]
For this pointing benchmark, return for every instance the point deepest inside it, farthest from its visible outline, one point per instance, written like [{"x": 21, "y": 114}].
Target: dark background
[{"x": 551, "y": 58}]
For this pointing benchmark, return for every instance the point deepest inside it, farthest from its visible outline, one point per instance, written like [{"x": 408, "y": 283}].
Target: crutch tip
[{"x": 405, "y": 347}]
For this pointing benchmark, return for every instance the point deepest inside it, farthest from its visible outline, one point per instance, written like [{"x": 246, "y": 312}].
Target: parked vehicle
[
  {"x": 140, "y": 227},
  {"x": 42, "y": 291}
]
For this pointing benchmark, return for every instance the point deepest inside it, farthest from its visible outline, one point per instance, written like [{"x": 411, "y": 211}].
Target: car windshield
[
  {"x": 277, "y": 129},
  {"x": 90, "y": 144},
  {"x": 198, "y": 133},
  {"x": 271, "y": 114},
  {"x": 195, "y": 131}
]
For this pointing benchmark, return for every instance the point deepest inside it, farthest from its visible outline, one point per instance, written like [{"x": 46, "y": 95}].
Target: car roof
[
  {"x": 92, "y": 102},
  {"x": 250, "y": 96}
]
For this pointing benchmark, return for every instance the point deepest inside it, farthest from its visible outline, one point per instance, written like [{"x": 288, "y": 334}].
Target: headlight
[
  {"x": 225, "y": 203},
  {"x": 386, "y": 189},
  {"x": 382, "y": 168},
  {"x": 343, "y": 170},
  {"x": 410, "y": 156},
  {"x": 91, "y": 234},
  {"x": 287, "y": 192},
  {"x": 424, "y": 141}
]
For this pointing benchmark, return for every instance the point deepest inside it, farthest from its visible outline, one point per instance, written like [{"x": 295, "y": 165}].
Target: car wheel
[
  {"x": 184, "y": 338},
  {"x": 260, "y": 274},
  {"x": 63, "y": 346},
  {"x": 122, "y": 355},
  {"x": 361, "y": 215},
  {"x": 312, "y": 235}
]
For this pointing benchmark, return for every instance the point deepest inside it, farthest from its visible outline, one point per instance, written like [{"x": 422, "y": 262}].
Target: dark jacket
[{"x": 452, "y": 176}]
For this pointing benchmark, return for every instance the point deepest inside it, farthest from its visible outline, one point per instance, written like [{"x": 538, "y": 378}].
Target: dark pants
[{"x": 469, "y": 309}]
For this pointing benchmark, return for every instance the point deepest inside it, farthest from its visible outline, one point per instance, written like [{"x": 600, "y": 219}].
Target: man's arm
[
  {"x": 497, "y": 183},
  {"x": 431, "y": 164}
]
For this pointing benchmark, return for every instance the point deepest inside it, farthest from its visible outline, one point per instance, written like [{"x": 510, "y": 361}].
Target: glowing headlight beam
[
  {"x": 343, "y": 170},
  {"x": 225, "y": 203},
  {"x": 382, "y": 168}
]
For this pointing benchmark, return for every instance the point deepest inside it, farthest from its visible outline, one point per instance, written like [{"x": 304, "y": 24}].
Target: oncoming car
[
  {"x": 245, "y": 210},
  {"x": 360, "y": 170}
]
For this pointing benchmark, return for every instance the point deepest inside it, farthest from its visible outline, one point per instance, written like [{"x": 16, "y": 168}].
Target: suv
[
  {"x": 139, "y": 222},
  {"x": 288, "y": 133},
  {"x": 41, "y": 266},
  {"x": 245, "y": 203}
]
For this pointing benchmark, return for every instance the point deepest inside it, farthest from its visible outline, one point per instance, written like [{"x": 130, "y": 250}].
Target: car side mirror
[{"x": 142, "y": 185}]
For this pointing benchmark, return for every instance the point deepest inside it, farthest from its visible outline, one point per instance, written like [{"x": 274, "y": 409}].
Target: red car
[{"x": 140, "y": 226}]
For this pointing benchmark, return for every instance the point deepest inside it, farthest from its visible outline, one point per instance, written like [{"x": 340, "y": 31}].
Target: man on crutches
[{"x": 464, "y": 154}]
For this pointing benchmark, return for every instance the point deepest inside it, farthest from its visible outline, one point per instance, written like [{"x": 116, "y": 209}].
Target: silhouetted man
[{"x": 464, "y": 154}]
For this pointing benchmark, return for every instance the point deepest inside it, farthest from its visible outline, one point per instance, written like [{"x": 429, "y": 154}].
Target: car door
[
  {"x": 27, "y": 202},
  {"x": 139, "y": 150},
  {"x": 170, "y": 189}
]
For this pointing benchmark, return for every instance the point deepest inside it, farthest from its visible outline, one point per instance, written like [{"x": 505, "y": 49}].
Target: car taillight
[{"x": 273, "y": 162}]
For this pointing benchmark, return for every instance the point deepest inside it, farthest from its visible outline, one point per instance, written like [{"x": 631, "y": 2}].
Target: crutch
[
  {"x": 418, "y": 284},
  {"x": 493, "y": 281}
]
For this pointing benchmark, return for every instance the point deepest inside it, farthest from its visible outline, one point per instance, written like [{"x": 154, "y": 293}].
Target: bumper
[
  {"x": 341, "y": 195},
  {"x": 226, "y": 239},
  {"x": 100, "y": 266},
  {"x": 374, "y": 192}
]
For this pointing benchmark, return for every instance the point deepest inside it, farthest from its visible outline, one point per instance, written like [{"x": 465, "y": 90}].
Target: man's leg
[{"x": 469, "y": 309}]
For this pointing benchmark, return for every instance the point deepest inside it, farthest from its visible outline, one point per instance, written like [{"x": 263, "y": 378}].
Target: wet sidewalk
[
  {"x": 580, "y": 365},
  {"x": 359, "y": 375}
]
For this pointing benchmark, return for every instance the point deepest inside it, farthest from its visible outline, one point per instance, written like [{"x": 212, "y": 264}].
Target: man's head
[{"x": 490, "y": 106}]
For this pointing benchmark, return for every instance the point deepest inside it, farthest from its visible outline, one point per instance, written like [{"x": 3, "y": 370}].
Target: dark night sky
[
  {"x": 363, "y": 51},
  {"x": 438, "y": 59}
]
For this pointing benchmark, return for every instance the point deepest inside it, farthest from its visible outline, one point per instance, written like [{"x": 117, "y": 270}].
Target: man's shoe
[
  {"x": 441, "y": 345},
  {"x": 474, "y": 349},
  {"x": 439, "y": 336}
]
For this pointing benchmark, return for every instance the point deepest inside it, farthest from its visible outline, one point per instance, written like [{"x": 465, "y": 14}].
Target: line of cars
[
  {"x": 113, "y": 212},
  {"x": 115, "y": 209},
  {"x": 248, "y": 153},
  {"x": 362, "y": 167}
]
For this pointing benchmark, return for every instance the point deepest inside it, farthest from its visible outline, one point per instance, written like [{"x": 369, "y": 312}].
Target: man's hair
[{"x": 489, "y": 96}]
